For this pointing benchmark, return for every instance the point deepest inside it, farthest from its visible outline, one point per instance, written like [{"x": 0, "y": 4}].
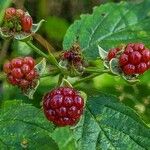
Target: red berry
[
  {"x": 25, "y": 69},
  {"x": 112, "y": 54},
  {"x": 32, "y": 75},
  {"x": 7, "y": 67},
  {"x": 26, "y": 23},
  {"x": 10, "y": 13},
  {"x": 12, "y": 80},
  {"x": 29, "y": 61},
  {"x": 145, "y": 55},
  {"x": 129, "y": 69},
  {"x": 63, "y": 106},
  {"x": 128, "y": 50},
  {"x": 20, "y": 13},
  {"x": 16, "y": 63},
  {"x": 123, "y": 60},
  {"x": 138, "y": 47},
  {"x": 135, "y": 58},
  {"x": 16, "y": 72},
  {"x": 148, "y": 65},
  {"x": 141, "y": 68}
]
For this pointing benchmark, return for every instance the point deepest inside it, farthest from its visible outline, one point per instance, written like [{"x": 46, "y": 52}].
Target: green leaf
[
  {"x": 102, "y": 53},
  {"x": 23, "y": 125},
  {"x": 114, "y": 66},
  {"x": 108, "y": 124},
  {"x": 41, "y": 66},
  {"x": 109, "y": 26},
  {"x": 64, "y": 138}
]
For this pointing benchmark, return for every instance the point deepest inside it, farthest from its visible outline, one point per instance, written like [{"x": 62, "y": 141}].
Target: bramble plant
[{"x": 114, "y": 35}]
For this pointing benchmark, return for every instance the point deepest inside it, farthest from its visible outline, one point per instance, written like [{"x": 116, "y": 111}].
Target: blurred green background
[{"x": 59, "y": 14}]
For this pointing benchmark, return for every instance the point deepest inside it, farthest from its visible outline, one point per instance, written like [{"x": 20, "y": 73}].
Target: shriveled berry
[
  {"x": 67, "y": 105},
  {"x": 26, "y": 23},
  {"x": 123, "y": 60},
  {"x": 7, "y": 67},
  {"x": 16, "y": 72},
  {"x": 16, "y": 62},
  {"x": 20, "y": 13},
  {"x": 10, "y": 13},
  {"x": 135, "y": 58},
  {"x": 145, "y": 55},
  {"x": 141, "y": 68},
  {"x": 29, "y": 61},
  {"x": 129, "y": 69}
]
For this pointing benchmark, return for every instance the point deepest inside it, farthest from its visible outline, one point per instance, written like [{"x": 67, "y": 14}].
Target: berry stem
[
  {"x": 49, "y": 57},
  {"x": 96, "y": 70}
]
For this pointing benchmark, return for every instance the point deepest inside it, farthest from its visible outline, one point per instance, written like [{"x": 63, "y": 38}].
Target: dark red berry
[
  {"x": 141, "y": 68},
  {"x": 129, "y": 69},
  {"x": 123, "y": 60},
  {"x": 7, "y": 67},
  {"x": 135, "y": 58},
  {"x": 16, "y": 72},
  {"x": 26, "y": 23},
  {"x": 29, "y": 61},
  {"x": 10, "y": 13},
  {"x": 145, "y": 55},
  {"x": 63, "y": 106}
]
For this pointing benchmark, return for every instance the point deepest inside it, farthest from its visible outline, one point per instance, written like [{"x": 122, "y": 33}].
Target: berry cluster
[
  {"x": 134, "y": 59},
  {"x": 63, "y": 106},
  {"x": 21, "y": 72},
  {"x": 17, "y": 20}
]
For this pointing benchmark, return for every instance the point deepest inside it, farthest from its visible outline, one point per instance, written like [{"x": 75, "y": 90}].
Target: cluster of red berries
[
  {"x": 63, "y": 106},
  {"x": 17, "y": 20},
  {"x": 135, "y": 59},
  {"x": 21, "y": 72}
]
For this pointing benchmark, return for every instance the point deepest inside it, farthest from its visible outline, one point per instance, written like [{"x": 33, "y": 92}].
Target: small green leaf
[
  {"x": 23, "y": 125},
  {"x": 36, "y": 27},
  {"x": 102, "y": 53},
  {"x": 66, "y": 83},
  {"x": 108, "y": 124},
  {"x": 114, "y": 66},
  {"x": 41, "y": 66}
]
